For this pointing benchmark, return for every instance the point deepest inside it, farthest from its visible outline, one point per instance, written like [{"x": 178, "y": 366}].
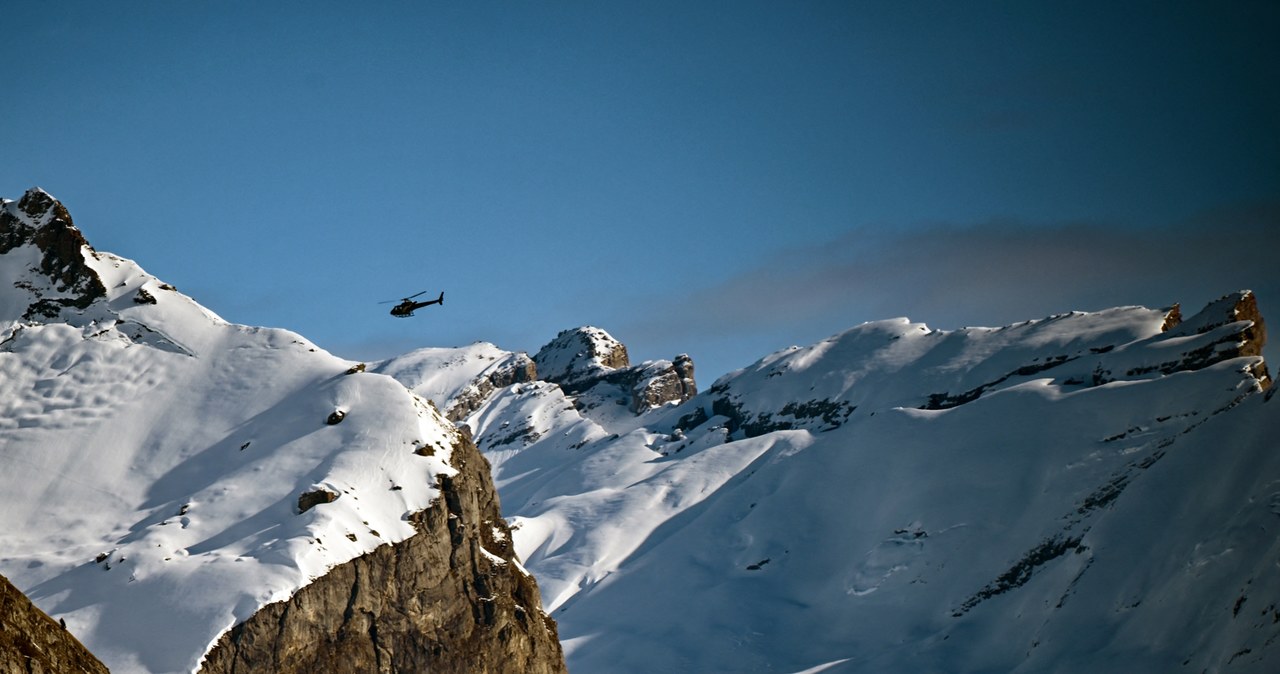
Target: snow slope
[
  {"x": 1086, "y": 492},
  {"x": 155, "y": 454}
]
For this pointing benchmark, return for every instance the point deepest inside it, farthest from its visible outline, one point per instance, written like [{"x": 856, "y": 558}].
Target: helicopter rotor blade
[{"x": 402, "y": 299}]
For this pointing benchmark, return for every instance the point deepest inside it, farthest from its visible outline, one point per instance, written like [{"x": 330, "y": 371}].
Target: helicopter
[{"x": 407, "y": 306}]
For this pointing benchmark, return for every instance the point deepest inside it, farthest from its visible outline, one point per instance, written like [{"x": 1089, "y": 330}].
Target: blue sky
[{"x": 717, "y": 178}]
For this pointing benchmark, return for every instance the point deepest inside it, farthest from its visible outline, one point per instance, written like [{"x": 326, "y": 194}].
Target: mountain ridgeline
[{"x": 1089, "y": 491}]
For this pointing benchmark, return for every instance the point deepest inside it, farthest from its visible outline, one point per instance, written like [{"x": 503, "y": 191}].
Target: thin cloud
[{"x": 990, "y": 273}]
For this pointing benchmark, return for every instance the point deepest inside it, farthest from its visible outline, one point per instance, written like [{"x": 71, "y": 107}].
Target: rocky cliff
[
  {"x": 580, "y": 359},
  {"x": 1240, "y": 330},
  {"x": 33, "y": 643},
  {"x": 453, "y": 598}
]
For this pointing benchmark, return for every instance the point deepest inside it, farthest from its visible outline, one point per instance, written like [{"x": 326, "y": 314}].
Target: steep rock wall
[
  {"x": 451, "y": 598},
  {"x": 518, "y": 369},
  {"x": 32, "y": 643}
]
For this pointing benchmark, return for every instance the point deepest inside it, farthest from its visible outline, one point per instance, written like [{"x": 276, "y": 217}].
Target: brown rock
[
  {"x": 1236, "y": 308},
  {"x": 578, "y": 355},
  {"x": 32, "y": 643},
  {"x": 656, "y": 384},
  {"x": 1172, "y": 318},
  {"x": 451, "y": 598},
  {"x": 1246, "y": 336},
  {"x": 518, "y": 369},
  {"x": 311, "y": 499},
  {"x": 42, "y": 220}
]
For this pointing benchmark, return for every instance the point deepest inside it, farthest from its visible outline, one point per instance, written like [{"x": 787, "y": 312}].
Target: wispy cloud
[{"x": 988, "y": 273}]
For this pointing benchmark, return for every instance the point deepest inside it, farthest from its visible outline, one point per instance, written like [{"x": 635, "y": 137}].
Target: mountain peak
[
  {"x": 61, "y": 277},
  {"x": 37, "y": 204},
  {"x": 580, "y": 353},
  {"x": 581, "y": 358}
]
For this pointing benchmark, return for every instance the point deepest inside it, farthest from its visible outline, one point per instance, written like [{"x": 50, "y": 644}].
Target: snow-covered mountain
[
  {"x": 168, "y": 474},
  {"x": 1085, "y": 492}
]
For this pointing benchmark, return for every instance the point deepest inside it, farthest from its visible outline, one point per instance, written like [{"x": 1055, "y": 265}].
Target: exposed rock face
[
  {"x": 579, "y": 359},
  {"x": 579, "y": 355},
  {"x": 311, "y": 499},
  {"x": 1172, "y": 317},
  {"x": 1236, "y": 323},
  {"x": 820, "y": 415},
  {"x": 518, "y": 369},
  {"x": 1232, "y": 308},
  {"x": 652, "y": 383},
  {"x": 41, "y": 220},
  {"x": 450, "y": 599},
  {"x": 662, "y": 382},
  {"x": 32, "y": 643}
]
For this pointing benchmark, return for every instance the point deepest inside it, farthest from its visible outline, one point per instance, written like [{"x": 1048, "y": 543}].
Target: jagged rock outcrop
[
  {"x": 517, "y": 369},
  {"x": 660, "y": 382},
  {"x": 579, "y": 356},
  {"x": 41, "y": 220},
  {"x": 579, "y": 359},
  {"x": 33, "y": 643},
  {"x": 451, "y": 598},
  {"x": 1239, "y": 309},
  {"x": 1228, "y": 327},
  {"x": 652, "y": 383}
]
